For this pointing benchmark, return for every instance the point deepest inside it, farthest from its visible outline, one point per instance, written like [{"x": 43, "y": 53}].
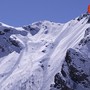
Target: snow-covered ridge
[
  {"x": 30, "y": 56},
  {"x": 75, "y": 71}
]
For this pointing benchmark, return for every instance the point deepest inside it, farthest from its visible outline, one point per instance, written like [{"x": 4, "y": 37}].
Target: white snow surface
[{"x": 33, "y": 66}]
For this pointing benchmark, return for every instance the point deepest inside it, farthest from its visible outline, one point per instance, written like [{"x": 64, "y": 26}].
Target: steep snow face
[
  {"x": 32, "y": 55},
  {"x": 75, "y": 71}
]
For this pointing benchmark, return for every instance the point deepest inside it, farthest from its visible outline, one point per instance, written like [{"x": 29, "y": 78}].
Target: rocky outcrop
[
  {"x": 75, "y": 71},
  {"x": 9, "y": 40}
]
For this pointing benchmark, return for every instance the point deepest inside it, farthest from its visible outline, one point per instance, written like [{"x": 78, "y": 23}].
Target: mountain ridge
[{"x": 32, "y": 55}]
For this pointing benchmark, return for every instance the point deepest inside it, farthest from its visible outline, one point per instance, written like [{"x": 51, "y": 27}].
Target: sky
[{"x": 24, "y": 12}]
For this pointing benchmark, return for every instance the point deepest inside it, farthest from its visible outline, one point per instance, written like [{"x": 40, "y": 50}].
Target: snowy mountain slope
[
  {"x": 32, "y": 55},
  {"x": 75, "y": 71}
]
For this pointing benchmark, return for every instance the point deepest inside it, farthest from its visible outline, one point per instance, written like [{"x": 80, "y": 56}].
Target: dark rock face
[
  {"x": 60, "y": 83},
  {"x": 33, "y": 29},
  {"x": 88, "y": 20},
  {"x": 87, "y": 32},
  {"x": 82, "y": 16},
  {"x": 9, "y": 40},
  {"x": 75, "y": 71}
]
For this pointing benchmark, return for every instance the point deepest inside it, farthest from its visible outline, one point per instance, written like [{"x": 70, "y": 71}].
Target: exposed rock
[{"x": 75, "y": 72}]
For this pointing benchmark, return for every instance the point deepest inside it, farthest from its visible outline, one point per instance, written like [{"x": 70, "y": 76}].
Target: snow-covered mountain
[{"x": 46, "y": 55}]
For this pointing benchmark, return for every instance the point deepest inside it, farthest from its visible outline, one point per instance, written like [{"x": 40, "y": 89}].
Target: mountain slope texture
[{"x": 46, "y": 55}]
